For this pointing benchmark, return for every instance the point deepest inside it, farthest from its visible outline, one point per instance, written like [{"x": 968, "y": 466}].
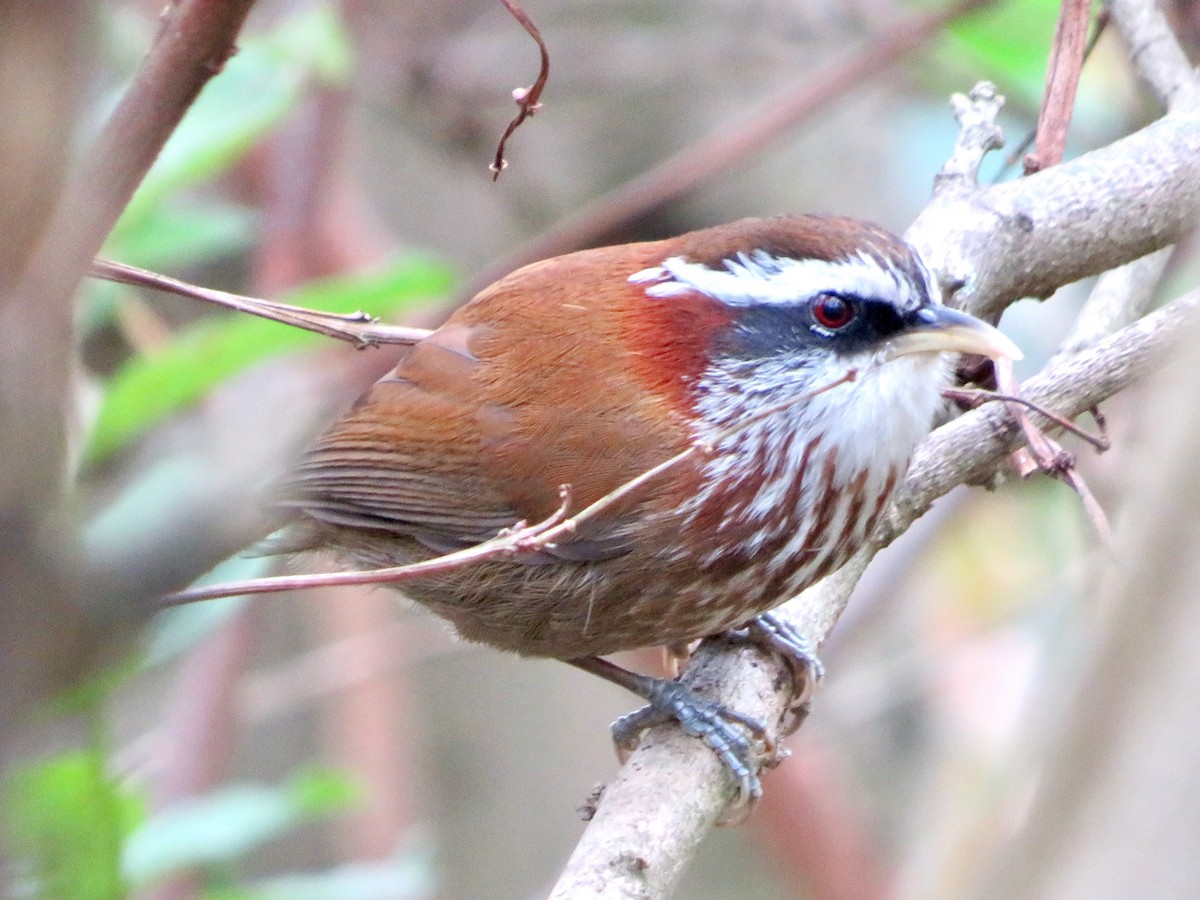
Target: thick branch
[
  {"x": 1155, "y": 52},
  {"x": 1029, "y": 237},
  {"x": 47, "y": 634},
  {"x": 196, "y": 38},
  {"x": 628, "y": 851}
]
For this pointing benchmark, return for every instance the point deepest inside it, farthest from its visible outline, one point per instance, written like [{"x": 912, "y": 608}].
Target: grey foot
[{"x": 739, "y": 741}]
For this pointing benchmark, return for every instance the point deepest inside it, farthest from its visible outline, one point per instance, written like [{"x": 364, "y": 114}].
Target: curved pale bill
[{"x": 940, "y": 329}]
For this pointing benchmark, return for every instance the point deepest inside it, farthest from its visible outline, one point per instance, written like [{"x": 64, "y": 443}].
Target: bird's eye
[{"x": 833, "y": 312}]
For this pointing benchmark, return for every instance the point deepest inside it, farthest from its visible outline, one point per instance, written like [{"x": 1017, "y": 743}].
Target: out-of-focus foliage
[
  {"x": 67, "y": 819},
  {"x": 1006, "y": 43},
  {"x": 165, "y": 225},
  {"x": 224, "y": 826},
  {"x": 407, "y": 875},
  {"x": 82, "y": 834}
]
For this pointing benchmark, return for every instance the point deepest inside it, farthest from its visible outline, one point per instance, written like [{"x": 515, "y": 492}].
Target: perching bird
[{"x": 590, "y": 369}]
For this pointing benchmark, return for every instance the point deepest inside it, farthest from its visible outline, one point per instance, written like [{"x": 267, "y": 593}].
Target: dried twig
[
  {"x": 527, "y": 98},
  {"x": 973, "y": 398},
  {"x": 358, "y": 328},
  {"x": 1062, "y": 81},
  {"x": 1102, "y": 20}
]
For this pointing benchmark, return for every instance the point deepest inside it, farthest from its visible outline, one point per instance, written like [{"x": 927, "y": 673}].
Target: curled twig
[{"x": 528, "y": 99}]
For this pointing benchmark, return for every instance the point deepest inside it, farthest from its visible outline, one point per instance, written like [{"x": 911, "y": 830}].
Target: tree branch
[
  {"x": 41, "y": 608},
  {"x": 1155, "y": 52},
  {"x": 1027, "y": 238},
  {"x": 195, "y": 39},
  {"x": 673, "y": 789},
  {"x": 994, "y": 245}
]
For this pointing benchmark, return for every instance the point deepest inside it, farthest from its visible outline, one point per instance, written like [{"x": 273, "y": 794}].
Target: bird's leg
[
  {"x": 773, "y": 633},
  {"x": 723, "y": 730}
]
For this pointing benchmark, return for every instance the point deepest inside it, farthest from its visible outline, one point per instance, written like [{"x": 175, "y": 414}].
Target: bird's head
[{"x": 798, "y": 302}]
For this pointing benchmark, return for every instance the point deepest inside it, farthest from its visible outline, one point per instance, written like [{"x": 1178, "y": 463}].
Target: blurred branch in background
[
  {"x": 37, "y": 328},
  {"x": 42, "y": 55}
]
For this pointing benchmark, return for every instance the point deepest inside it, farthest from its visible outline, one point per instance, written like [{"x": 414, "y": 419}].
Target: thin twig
[
  {"x": 1062, "y": 82},
  {"x": 528, "y": 99},
  {"x": 1045, "y": 454},
  {"x": 975, "y": 396},
  {"x": 357, "y": 328},
  {"x": 1102, "y": 20}
]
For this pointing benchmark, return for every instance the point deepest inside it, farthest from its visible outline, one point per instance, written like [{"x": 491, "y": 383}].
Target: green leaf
[
  {"x": 321, "y": 791},
  {"x": 224, "y": 826},
  {"x": 246, "y": 101},
  {"x": 255, "y": 90},
  {"x": 148, "y": 388},
  {"x": 180, "y": 233},
  {"x": 218, "y": 827},
  {"x": 1007, "y": 43},
  {"x": 66, "y": 820}
]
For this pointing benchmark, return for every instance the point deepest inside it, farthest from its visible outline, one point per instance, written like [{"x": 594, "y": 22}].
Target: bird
[{"x": 802, "y": 359}]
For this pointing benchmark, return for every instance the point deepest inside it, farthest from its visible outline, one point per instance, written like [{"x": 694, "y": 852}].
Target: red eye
[{"x": 833, "y": 312}]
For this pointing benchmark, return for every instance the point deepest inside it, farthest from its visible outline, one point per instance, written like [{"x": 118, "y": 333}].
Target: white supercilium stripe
[{"x": 759, "y": 277}]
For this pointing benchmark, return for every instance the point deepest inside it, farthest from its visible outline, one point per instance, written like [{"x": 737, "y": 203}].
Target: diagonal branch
[
  {"x": 629, "y": 850},
  {"x": 991, "y": 246},
  {"x": 731, "y": 143},
  {"x": 47, "y": 633},
  {"x": 195, "y": 39}
]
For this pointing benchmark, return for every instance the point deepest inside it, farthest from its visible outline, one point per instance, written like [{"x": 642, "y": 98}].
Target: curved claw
[
  {"x": 774, "y": 633},
  {"x": 720, "y": 728}
]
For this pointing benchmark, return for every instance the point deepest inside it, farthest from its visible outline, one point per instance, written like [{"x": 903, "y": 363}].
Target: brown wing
[
  {"x": 376, "y": 469},
  {"x": 474, "y": 430}
]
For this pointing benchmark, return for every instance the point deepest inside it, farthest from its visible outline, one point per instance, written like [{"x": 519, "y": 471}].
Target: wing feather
[{"x": 491, "y": 408}]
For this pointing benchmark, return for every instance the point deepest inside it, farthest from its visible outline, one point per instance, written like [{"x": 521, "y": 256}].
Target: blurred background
[{"x": 340, "y": 744}]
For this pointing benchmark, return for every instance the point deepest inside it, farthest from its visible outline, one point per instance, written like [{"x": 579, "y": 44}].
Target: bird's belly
[
  {"x": 571, "y": 609},
  {"x": 671, "y": 588}
]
